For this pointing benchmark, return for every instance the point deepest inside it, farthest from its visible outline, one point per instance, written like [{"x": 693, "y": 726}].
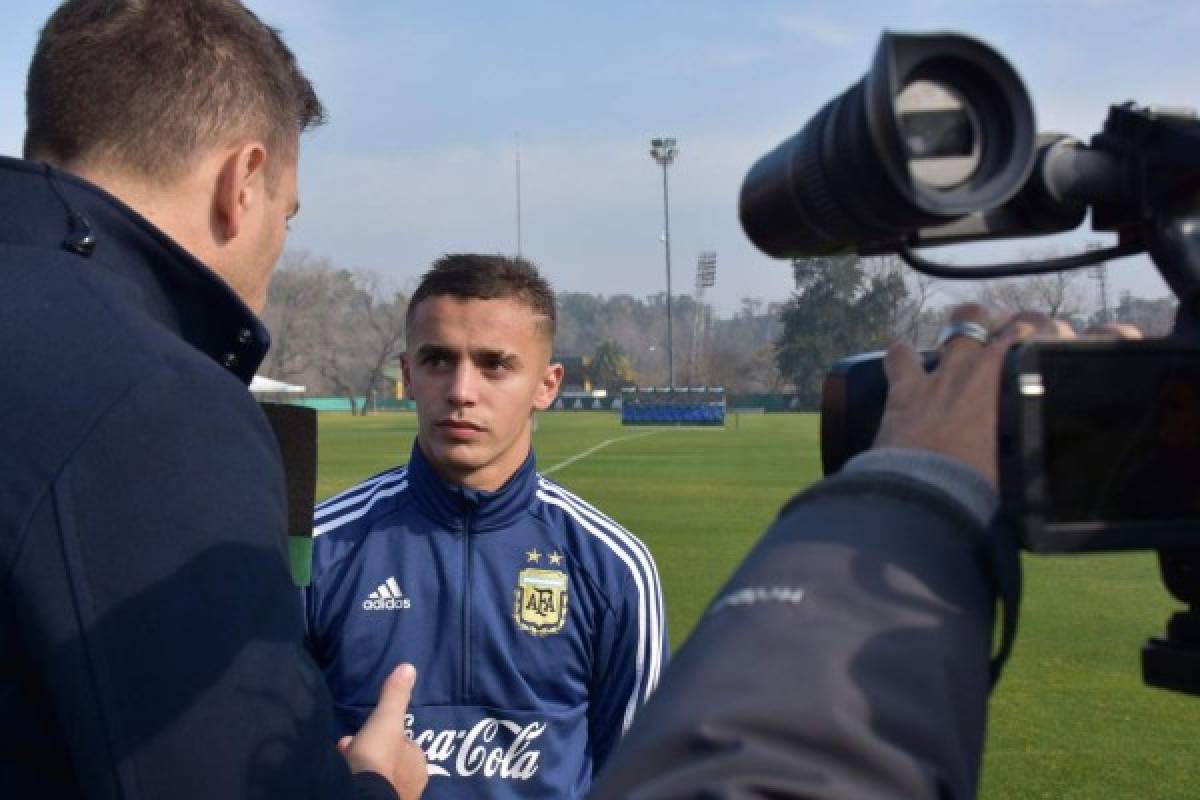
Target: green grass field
[{"x": 1071, "y": 718}]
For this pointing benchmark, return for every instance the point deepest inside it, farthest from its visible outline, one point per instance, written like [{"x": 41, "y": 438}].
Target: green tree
[
  {"x": 611, "y": 368},
  {"x": 837, "y": 310}
]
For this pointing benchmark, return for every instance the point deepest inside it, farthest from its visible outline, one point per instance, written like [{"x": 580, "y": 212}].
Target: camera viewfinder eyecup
[{"x": 940, "y": 126}]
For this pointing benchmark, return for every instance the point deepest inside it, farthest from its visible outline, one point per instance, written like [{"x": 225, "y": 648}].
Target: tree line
[
  {"x": 846, "y": 304},
  {"x": 339, "y": 332}
]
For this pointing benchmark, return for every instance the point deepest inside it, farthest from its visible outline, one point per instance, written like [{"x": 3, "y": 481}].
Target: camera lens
[
  {"x": 940, "y": 127},
  {"x": 941, "y": 134}
]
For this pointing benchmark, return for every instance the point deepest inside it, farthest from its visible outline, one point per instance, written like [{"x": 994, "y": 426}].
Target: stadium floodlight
[
  {"x": 663, "y": 150},
  {"x": 706, "y": 270},
  {"x": 706, "y": 278}
]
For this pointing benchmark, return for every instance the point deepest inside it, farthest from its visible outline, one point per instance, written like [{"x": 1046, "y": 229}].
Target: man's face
[
  {"x": 280, "y": 204},
  {"x": 477, "y": 369}
]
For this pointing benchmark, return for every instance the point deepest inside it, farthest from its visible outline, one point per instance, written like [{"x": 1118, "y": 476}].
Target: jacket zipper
[{"x": 466, "y": 611}]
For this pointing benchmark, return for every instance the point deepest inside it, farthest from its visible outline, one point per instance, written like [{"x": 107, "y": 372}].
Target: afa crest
[{"x": 540, "y": 606}]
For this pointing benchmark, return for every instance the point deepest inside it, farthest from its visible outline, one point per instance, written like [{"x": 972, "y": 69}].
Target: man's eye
[{"x": 497, "y": 365}]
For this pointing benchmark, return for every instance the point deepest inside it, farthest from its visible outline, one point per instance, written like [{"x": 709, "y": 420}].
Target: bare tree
[
  {"x": 1151, "y": 317},
  {"x": 910, "y": 294},
  {"x": 382, "y": 334},
  {"x": 1058, "y": 294},
  {"x": 334, "y": 352},
  {"x": 741, "y": 354},
  {"x": 336, "y": 330},
  {"x": 295, "y": 308},
  {"x": 1062, "y": 295},
  {"x": 919, "y": 310},
  {"x": 364, "y": 332},
  {"x": 929, "y": 324}
]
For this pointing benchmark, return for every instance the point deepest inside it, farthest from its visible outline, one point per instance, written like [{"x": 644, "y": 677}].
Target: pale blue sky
[{"x": 426, "y": 101}]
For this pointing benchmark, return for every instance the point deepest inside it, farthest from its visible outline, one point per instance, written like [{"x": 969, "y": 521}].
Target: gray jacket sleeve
[{"x": 846, "y": 658}]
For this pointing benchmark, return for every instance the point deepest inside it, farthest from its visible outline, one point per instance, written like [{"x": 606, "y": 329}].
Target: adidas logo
[{"x": 387, "y": 597}]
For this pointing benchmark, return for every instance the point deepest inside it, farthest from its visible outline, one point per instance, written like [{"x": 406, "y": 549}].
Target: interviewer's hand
[
  {"x": 952, "y": 410},
  {"x": 383, "y": 746}
]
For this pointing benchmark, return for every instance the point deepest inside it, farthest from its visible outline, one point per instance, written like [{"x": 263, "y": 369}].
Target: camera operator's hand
[
  {"x": 382, "y": 744},
  {"x": 952, "y": 410}
]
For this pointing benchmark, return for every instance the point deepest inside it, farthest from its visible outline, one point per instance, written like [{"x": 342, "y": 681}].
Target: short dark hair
[
  {"x": 147, "y": 84},
  {"x": 471, "y": 276}
]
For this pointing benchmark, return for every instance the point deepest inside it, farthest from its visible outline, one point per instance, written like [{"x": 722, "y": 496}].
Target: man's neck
[{"x": 490, "y": 478}]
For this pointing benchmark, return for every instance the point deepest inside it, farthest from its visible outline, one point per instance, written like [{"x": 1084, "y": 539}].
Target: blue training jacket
[{"x": 535, "y": 623}]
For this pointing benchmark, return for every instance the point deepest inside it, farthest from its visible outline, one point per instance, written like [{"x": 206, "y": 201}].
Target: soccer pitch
[{"x": 1070, "y": 719}]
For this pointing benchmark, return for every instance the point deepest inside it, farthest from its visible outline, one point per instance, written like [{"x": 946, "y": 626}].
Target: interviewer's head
[{"x": 190, "y": 111}]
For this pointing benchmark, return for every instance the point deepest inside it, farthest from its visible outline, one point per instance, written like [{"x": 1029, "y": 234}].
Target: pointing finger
[{"x": 397, "y": 692}]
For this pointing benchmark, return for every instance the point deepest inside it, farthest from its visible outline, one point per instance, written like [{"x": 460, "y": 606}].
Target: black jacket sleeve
[
  {"x": 846, "y": 658},
  {"x": 153, "y": 599}
]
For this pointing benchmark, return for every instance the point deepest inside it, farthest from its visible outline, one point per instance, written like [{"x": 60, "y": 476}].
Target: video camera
[{"x": 1098, "y": 441}]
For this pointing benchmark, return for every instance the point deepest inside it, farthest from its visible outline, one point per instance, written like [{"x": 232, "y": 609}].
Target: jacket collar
[
  {"x": 460, "y": 508},
  {"x": 43, "y": 207}
]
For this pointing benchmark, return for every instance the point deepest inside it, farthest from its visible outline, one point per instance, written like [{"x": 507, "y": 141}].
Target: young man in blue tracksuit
[{"x": 535, "y": 621}]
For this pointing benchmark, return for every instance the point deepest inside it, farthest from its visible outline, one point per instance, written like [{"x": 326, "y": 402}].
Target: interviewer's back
[
  {"x": 150, "y": 639},
  {"x": 135, "y": 470}
]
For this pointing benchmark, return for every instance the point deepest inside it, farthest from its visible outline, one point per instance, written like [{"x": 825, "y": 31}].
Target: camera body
[
  {"x": 852, "y": 399},
  {"x": 937, "y": 144},
  {"x": 1097, "y": 440}
]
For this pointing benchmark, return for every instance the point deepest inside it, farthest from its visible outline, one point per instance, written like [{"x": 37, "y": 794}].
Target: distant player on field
[{"x": 535, "y": 621}]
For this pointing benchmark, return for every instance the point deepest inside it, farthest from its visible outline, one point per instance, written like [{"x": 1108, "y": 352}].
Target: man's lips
[{"x": 460, "y": 428}]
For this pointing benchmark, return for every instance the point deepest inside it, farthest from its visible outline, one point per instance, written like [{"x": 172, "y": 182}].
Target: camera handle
[{"x": 1174, "y": 662}]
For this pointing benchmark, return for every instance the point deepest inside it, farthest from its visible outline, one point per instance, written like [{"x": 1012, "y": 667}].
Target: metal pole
[
  {"x": 667, "y": 242},
  {"x": 518, "y": 195},
  {"x": 663, "y": 150}
]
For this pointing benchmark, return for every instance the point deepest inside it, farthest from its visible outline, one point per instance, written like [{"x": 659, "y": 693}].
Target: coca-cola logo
[{"x": 482, "y": 749}]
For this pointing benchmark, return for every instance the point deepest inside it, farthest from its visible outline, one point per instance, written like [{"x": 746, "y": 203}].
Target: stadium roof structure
[{"x": 261, "y": 384}]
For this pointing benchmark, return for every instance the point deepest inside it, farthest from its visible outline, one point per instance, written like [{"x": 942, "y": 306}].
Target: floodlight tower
[
  {"x": 706, "y": 276},
  {"x": 663, "y": 150}
]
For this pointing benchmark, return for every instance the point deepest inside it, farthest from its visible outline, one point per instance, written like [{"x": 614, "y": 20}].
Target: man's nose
[{"x": 464, "y": 384}]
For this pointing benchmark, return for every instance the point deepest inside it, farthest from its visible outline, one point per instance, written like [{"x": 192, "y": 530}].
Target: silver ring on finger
[{"x": 967, "y": 330}]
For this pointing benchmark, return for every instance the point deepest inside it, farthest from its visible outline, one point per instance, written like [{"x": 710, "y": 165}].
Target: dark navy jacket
[
  {"x": 150, "y": 644},
  {"x": 535, "y": 623}
]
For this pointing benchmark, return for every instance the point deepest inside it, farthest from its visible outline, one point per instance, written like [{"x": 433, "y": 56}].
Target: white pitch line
[{"x": 590, "y": 450}]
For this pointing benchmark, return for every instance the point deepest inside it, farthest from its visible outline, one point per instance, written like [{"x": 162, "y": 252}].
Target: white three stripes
[
  {"x": 645, "y": 578},
  {"x": 361, "y": 498}
]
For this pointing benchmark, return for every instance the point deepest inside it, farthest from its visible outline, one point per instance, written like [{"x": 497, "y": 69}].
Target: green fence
[
  {"x": 568, "y": 401},
  {"x": 343, "y": 403},
  {"x": 770, "y": 403}
]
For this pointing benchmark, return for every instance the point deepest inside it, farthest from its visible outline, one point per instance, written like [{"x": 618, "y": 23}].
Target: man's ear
[
  {"x": 548, "y": 388},
  {"x": 407, "y": 378},
  {"x": 241, "y": 184}
]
